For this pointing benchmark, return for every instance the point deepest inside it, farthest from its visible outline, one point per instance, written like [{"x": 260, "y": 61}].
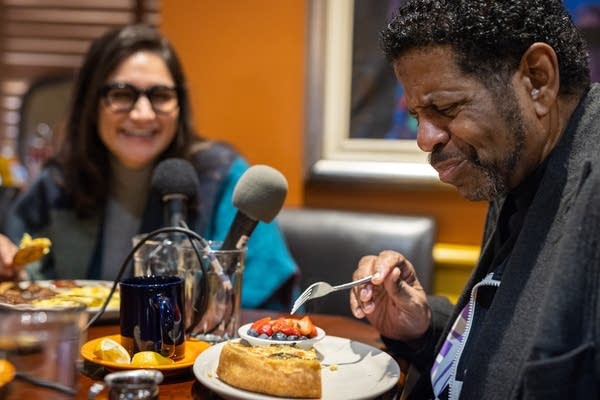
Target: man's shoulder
[
  {"x": 586, "y": 118},
  {"x": 591, "y": 175}
]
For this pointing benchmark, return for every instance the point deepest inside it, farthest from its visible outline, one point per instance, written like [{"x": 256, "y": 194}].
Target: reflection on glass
[{"x": 43, "y": 347}]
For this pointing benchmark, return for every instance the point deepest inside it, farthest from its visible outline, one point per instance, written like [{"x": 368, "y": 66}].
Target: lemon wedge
[
  {"x": 109, "y": 350},
  {"x": 150, "y": 358}
]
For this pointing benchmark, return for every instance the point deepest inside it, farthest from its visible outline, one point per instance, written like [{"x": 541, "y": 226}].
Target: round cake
[{"x": 276, "y": 370}]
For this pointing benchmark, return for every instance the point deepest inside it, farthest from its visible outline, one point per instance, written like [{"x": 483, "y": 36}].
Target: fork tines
[{"x": 301, "y": 299}]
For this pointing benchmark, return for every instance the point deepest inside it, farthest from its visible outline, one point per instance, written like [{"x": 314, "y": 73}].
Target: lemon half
[
  {"x": 150, "y": 358},
  {"x": 110, "y": 350}
]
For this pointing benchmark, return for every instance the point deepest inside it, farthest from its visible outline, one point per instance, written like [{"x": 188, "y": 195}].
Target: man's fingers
[
  {"x": 365, "y": 267},
  {"x": 386, "y": 268},
  {"x": 384, "y": 263},
  {"x": 355, "y": 306}
]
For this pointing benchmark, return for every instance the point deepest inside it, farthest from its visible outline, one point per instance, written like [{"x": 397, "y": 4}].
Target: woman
[{"x": 131, "y": 110}]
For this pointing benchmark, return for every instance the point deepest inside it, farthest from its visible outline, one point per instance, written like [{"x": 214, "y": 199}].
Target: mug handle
[{"x": 170, "y": 324}]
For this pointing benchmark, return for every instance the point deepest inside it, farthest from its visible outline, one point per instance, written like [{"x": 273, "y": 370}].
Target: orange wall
[{"x": 245, "y": 62}]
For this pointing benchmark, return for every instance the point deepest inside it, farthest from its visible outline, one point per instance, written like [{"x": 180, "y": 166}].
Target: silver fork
[{"x": 320, "y": 289}]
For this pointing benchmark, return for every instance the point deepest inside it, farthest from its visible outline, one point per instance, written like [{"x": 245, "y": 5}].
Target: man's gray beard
[
  {"x": 497, "y": 176},
  {"x": 495, "y": 187}
]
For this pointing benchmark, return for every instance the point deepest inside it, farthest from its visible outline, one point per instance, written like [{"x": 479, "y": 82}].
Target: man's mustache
[{"x": 438, "y": 155}]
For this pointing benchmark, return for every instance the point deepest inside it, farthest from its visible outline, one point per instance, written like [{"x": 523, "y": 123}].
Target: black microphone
[
  {"x": 258, "y": 196},
  {"x": 176, "y": 182}
]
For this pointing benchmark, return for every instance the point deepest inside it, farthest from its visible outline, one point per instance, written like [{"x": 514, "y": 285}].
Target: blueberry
[
  {"x": 292, "y": 337},
  {"x": 252, "y": 332},
  {"x": 302, "y": 337},
  {"x": 279, "y": 336},
  {"x": 264, "y": 336}
]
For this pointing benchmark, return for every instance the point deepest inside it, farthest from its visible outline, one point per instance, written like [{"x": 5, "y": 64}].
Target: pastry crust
[{"x": 277, "y": 370}]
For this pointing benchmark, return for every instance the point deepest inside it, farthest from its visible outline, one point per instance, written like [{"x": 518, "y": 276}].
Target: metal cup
[{"x": 138, "y": 384}]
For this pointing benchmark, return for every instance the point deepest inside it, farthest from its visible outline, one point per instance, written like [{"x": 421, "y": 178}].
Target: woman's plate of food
[{"x": 61, "y": 293}]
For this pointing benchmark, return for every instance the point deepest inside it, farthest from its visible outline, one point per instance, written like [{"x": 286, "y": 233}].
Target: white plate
[
  {"x": 256, "y": 341},
  {"x": 111, "y": 312},
  {"x": 363, "y": 372}
]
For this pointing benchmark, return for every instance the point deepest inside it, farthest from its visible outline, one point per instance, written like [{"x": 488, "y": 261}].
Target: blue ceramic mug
[{"x": 152, "y": 315}]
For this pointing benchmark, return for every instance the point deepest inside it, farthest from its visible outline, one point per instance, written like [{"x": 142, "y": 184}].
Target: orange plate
[
  {"x": 192, "y": 349},
  {"x": 7, "y": 372}
]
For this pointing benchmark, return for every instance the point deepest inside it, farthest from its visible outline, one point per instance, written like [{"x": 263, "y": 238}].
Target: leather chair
[{"x": 328, "y": 244}]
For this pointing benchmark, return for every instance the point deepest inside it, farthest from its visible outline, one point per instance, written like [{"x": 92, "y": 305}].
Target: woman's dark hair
[
  {"x": 83, "y": 157},
  {"x": 489, "y": 37}
]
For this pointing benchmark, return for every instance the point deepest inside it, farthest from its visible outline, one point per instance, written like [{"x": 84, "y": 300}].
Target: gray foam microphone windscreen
[{"x": 260, "y": 193}]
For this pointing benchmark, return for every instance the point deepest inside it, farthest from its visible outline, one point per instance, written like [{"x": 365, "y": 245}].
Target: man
[{"x": 502, "y": 95}]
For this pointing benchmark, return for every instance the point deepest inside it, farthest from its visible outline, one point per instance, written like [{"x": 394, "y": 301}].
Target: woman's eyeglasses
[{"x": 122, "y": 97}]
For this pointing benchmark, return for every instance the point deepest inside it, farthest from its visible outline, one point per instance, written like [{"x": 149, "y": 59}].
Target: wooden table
[{"x": 186, "y": 386}]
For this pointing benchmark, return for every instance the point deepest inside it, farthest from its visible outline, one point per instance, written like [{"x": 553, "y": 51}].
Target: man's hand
[{"x": 394, "y": 301}]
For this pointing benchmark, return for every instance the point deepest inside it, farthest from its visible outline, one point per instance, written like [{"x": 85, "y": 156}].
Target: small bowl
[{"x": 303, "y": 344}]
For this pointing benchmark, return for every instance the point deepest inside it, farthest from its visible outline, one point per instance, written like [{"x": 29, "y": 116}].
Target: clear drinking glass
[
  {"x": 213, "y": 294},
  {"x": 163, "y": 254},
  {"x": 43, "y": 346},
  {"x": 212, "y": 282}
]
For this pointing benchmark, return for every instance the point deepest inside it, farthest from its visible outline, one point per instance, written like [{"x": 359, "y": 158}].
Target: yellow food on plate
[
  {"x": 31, "y": 250},
  {"x": 56, "y": 302},
  {"x": 148, "y": 358},
  {"x": 91, "y": 296},
  {"x": 276, "y": 370},
  {"x": 110, "y": 350}
]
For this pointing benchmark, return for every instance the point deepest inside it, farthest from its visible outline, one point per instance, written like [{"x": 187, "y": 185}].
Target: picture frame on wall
[{"x": 351, "y": 106}]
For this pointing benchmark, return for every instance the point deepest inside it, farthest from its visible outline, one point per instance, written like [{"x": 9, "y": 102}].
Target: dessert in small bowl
[{"x": 290, "y": 331}]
